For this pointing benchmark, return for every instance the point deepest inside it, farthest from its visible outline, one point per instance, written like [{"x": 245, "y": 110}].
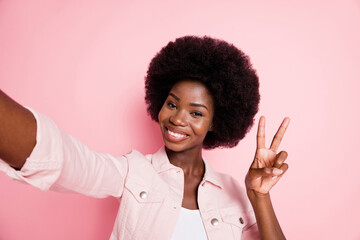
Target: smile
[{"x": 175, "y": 136}]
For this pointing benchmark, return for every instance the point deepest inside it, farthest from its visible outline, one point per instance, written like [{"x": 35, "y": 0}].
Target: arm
[
  {"x": 17, "y": 132},
  {"x": 58, "y": 161},
  {"x": 265, "y": 171},
  {"x": 267, "y": 222}
]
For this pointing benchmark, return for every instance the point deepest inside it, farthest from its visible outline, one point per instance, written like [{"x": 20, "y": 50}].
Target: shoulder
[
  {"x": 234, "y": 192},
  {"x": 138, "y": 163},
  {"x": 234, "y": 203},
  {"x": 136, "y": 156},
  {"x": 230, "y": 183},
  {"x": 140, "y": 172}
]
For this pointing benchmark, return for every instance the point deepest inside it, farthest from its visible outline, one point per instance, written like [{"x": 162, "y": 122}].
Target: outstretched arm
[
  {"x": 17, "y": 132},
  {"x": 265, "y": 171},
  {"x": 51, "y": 159}
]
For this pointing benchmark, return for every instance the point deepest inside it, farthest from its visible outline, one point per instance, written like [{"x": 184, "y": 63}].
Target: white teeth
[{"x": 177, "y": 135}]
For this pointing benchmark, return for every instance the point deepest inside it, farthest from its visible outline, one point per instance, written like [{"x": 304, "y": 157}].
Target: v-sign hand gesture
[{"x": 268, "y": 165}]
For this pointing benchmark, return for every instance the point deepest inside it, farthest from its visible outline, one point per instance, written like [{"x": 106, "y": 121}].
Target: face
[{"x": 186, "y": 116}]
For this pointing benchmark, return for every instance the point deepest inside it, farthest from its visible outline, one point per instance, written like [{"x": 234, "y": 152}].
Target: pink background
[{"x": 83, "y": 63}]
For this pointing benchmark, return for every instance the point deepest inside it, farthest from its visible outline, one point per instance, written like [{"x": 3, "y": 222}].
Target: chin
[
  {"x": 179, "y": 147},
  {"x": 175, "y": 147}
]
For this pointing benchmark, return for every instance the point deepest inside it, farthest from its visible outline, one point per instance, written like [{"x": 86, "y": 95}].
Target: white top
[{"x": 189, "y": 226}]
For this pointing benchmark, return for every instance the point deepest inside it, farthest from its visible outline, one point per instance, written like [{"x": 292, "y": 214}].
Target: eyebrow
[{"x": 191, "y": 104}]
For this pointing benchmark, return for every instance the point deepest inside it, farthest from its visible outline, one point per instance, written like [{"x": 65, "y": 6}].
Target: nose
[{"x": 178, "y": 118}]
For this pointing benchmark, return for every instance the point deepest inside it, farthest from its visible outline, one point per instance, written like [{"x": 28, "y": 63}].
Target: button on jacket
[{"x": 149, "y": 188}]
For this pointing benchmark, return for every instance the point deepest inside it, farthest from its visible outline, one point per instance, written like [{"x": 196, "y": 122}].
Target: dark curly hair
[{"x": 226, "y": 72}]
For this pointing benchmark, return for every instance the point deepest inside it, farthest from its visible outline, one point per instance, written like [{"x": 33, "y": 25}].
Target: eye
[
  {"x": 197, "y": 114},
  {"x": 171, "y": 105}
]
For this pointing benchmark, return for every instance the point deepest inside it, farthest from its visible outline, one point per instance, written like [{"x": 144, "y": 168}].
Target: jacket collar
[{"x": 161, "y": 163}]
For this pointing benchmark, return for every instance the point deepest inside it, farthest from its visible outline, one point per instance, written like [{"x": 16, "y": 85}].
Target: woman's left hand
[{"x": 268, "y": 165}]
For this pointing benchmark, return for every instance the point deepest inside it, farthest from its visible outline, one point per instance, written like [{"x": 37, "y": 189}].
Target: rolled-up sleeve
[
  {"x": 251, "y": 233},
  {"x": 60, "y": 162}
]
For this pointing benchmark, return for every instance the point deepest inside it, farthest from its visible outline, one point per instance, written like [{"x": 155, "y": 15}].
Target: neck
[{"x": 190, "y": 161}]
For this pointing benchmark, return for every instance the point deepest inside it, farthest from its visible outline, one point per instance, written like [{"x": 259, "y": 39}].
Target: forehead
[{"x": 192, "y": 91}]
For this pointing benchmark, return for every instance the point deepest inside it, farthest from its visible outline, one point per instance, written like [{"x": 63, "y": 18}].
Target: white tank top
[{"x": 189, "y": 226}]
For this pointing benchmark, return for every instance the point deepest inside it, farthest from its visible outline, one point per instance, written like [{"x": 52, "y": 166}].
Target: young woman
[{"x": 204, "y": 93}]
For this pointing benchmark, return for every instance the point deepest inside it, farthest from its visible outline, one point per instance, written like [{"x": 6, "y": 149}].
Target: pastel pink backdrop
[{"x": 83, "y": 63}]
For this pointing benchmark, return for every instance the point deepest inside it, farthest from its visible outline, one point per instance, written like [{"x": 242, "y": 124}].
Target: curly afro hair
[{"x": 226, "y": 72}]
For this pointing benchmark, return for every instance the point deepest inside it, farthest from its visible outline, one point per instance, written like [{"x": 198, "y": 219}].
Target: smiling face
[{"x": 186, "y": 116}]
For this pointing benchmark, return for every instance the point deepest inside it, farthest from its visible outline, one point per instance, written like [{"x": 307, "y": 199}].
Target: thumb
[{"x": 264, "y": 172}]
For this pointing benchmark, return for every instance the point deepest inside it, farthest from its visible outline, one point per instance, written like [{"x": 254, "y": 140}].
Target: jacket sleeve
[
  {"x": 251, "y": 233},
  {"x": 60, "y": 162}
]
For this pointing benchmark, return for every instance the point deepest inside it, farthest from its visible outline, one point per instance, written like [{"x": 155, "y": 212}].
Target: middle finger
[{"x": 279, "y": 134}]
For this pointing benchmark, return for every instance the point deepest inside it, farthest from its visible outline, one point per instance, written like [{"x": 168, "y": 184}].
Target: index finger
[
  {"x": 279, "y": 134},
  {"x": 260, "y": 137}
]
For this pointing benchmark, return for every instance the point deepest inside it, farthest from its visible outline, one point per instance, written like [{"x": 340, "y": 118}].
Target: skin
[
  {"x": 179, "y": 114},
  {"x": 265, "y": 171},
  {"x": 181, "y": 111},
  {"x": 17, "y": 132}
]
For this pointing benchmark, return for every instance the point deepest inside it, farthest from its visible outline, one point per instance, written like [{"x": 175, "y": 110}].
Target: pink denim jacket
[{"x": 149, "y": 188}]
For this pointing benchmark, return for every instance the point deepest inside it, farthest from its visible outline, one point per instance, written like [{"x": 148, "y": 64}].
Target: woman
[{"x": 204, "y": 94}]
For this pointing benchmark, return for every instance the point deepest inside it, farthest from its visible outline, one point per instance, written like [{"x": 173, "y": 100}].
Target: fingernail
[
  {"x": 277, "y": 171},
  {"x": 274, "y": 177}
]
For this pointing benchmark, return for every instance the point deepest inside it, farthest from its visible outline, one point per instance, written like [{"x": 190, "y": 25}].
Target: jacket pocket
[
  {"x": 144, "y": 193},
  {"x": 140, "y": 204},
  {"x": 234, "y": 217}
]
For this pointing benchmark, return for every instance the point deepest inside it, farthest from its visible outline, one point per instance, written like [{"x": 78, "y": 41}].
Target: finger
[
  {"x": 261, "y": 133},
  {"x": 284, "y": 167},
  {"x": 279, "y": 134},
  {"x": 280, "y": 158},
  {"x": 265, "y": 172}
]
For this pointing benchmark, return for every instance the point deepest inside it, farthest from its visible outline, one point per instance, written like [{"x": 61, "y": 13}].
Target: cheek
[
  {"x": 201, "y": 127},
  {"x": 161, "y": 113}
]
